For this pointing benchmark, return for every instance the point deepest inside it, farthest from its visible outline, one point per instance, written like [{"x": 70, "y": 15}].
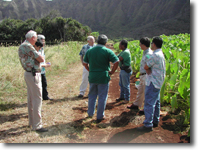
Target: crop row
[{"x": 176, "y": 87}]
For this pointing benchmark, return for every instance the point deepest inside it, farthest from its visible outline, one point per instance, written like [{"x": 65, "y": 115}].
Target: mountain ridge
[{"x": 116, "y": 18}]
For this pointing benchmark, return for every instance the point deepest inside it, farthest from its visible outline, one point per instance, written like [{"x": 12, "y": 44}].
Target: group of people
[
  {"x": 97, "y": 72},
  {"x": 96, "y": 61}
]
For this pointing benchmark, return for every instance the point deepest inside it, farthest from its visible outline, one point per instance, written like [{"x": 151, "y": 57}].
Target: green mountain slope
[{"x": 116, "y": 18}]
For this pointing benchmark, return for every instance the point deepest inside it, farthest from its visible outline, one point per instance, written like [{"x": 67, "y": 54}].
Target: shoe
[
  {"x": 42, "y": 130},
  {"x": 125, "y": 102},
  {"x": 145, "y": 129},
  {"x": 141, "y": 112},
  {"x": 119, "y": 99},
  {"x": 88, "y": 117},
  {"x": 48, "y": 99},
  {"x": 80, "y": 96},
  {"x": 155, "y": 125},
  {"x": 99, "y": 120},
  {"x": 132, "y": 107},
  {"x": 45, "y": 99}
]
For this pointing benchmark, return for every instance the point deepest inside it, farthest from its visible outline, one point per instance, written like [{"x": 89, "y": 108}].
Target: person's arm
[
  {"x": 46, "y": 65},
  {"x": 115, "y": 65},
  {"x": 86, "y": 61},
  {"x": 148, "y": 69},
  {"x": 150, "y": 63},
  {"x": 40, "y": 59},
  {"x": 121, "y": 58},
  {"x": 31, "y": 51},
  {"x": 82, "y": 54},
  {"x": 115, "y": 60},
  {"x": 86, "y": 66},
  {"x": 82, "y": 59}
]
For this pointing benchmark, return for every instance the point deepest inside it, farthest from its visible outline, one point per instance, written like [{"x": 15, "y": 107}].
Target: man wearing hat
[{"x": 96, "y": 61}]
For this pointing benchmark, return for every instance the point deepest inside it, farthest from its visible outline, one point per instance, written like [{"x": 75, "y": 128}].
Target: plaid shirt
[
  {"x": 146, "y": 55},
  {"x": 157, "y": 64},
  {"x": 85, "y": 48}
]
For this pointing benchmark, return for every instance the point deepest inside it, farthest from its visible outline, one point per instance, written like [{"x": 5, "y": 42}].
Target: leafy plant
[
  {"x": 176, "y": 87},
  {"x": 55, "y": 28},
  {"x": 95, "y": 34}
]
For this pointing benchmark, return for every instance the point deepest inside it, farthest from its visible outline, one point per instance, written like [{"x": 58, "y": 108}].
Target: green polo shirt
[
  {"x": 126, "y": 55},
  {"x": 99, "y": 59}
]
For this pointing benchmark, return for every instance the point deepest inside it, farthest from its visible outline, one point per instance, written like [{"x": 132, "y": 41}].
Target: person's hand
[
  {"x": 48, "y": 64},
  {"x": 148, "y": 71}
]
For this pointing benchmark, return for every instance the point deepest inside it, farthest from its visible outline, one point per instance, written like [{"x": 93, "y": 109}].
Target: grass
[
  {"x": 12, "y": 84},
  {"x": 62, "y": 86},
  {"x": 66, "y": 116},
  {"x": 57, "y": 115}
]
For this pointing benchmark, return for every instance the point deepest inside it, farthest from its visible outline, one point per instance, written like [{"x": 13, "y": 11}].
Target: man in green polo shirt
[
  {"x": 125, "y": 72},
  {"x": 96, "y": 61}
]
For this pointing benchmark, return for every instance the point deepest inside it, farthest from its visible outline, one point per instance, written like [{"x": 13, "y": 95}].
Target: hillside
[{"x": 116, "y": 18}]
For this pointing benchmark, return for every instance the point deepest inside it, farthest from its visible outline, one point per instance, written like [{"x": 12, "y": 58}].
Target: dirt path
[
  {"x": 65, "y": 117},
  {"x": 120, "y": 123}
]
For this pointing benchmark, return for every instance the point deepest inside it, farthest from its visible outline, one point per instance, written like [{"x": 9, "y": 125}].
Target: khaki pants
[
  {"x": 34, "y": 95},
  {"x": 84, "y": 82},
  {"x": 141, "y": 92}
]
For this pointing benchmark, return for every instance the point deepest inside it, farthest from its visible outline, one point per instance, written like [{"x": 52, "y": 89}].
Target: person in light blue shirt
[
  {"x": 84, "y": 83},
  {"x": 154, "y": 81},
  {"x": 147, "y": 52}
]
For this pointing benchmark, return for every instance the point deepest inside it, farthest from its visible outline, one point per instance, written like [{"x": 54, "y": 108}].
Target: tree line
[{"x": 55, "y": 28}]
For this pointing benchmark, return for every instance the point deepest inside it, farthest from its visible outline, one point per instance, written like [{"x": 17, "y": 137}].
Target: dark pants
[{"x": 44, "y": 87}]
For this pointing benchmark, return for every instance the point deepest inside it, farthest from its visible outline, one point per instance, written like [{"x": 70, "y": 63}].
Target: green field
[
  {"x": 175, "y": 91},
  {"x": 12, "y": 85}
]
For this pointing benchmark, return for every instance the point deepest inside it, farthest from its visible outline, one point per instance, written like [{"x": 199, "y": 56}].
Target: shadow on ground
[
  {"x": 175, "y": 124},
  {"x": 66, "y": 99},
  {"x": 128, "y": 135},
  {"x": 13, "y": 132},
  {"x": 12, "y": 118},
  {"x": 7, "y": 106},
  {"x": 73, "y": 130}
]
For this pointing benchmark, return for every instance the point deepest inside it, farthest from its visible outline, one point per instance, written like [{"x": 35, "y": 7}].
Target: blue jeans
[
  {"x": 100, "y": 90},
  {"x": 151, "y": 106},
  {"x": 124, "y": 83}
]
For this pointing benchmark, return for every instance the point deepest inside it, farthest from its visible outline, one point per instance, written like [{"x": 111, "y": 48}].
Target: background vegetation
[
  {"x": 115, "y": 18},
  {"x": 12, "y": 85},
  {"x": 56, "y": 29},
  {"x": 176, "y": 88}
]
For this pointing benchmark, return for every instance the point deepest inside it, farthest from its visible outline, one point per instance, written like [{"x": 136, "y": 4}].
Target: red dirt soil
[{"x": 120, "y": 123}]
